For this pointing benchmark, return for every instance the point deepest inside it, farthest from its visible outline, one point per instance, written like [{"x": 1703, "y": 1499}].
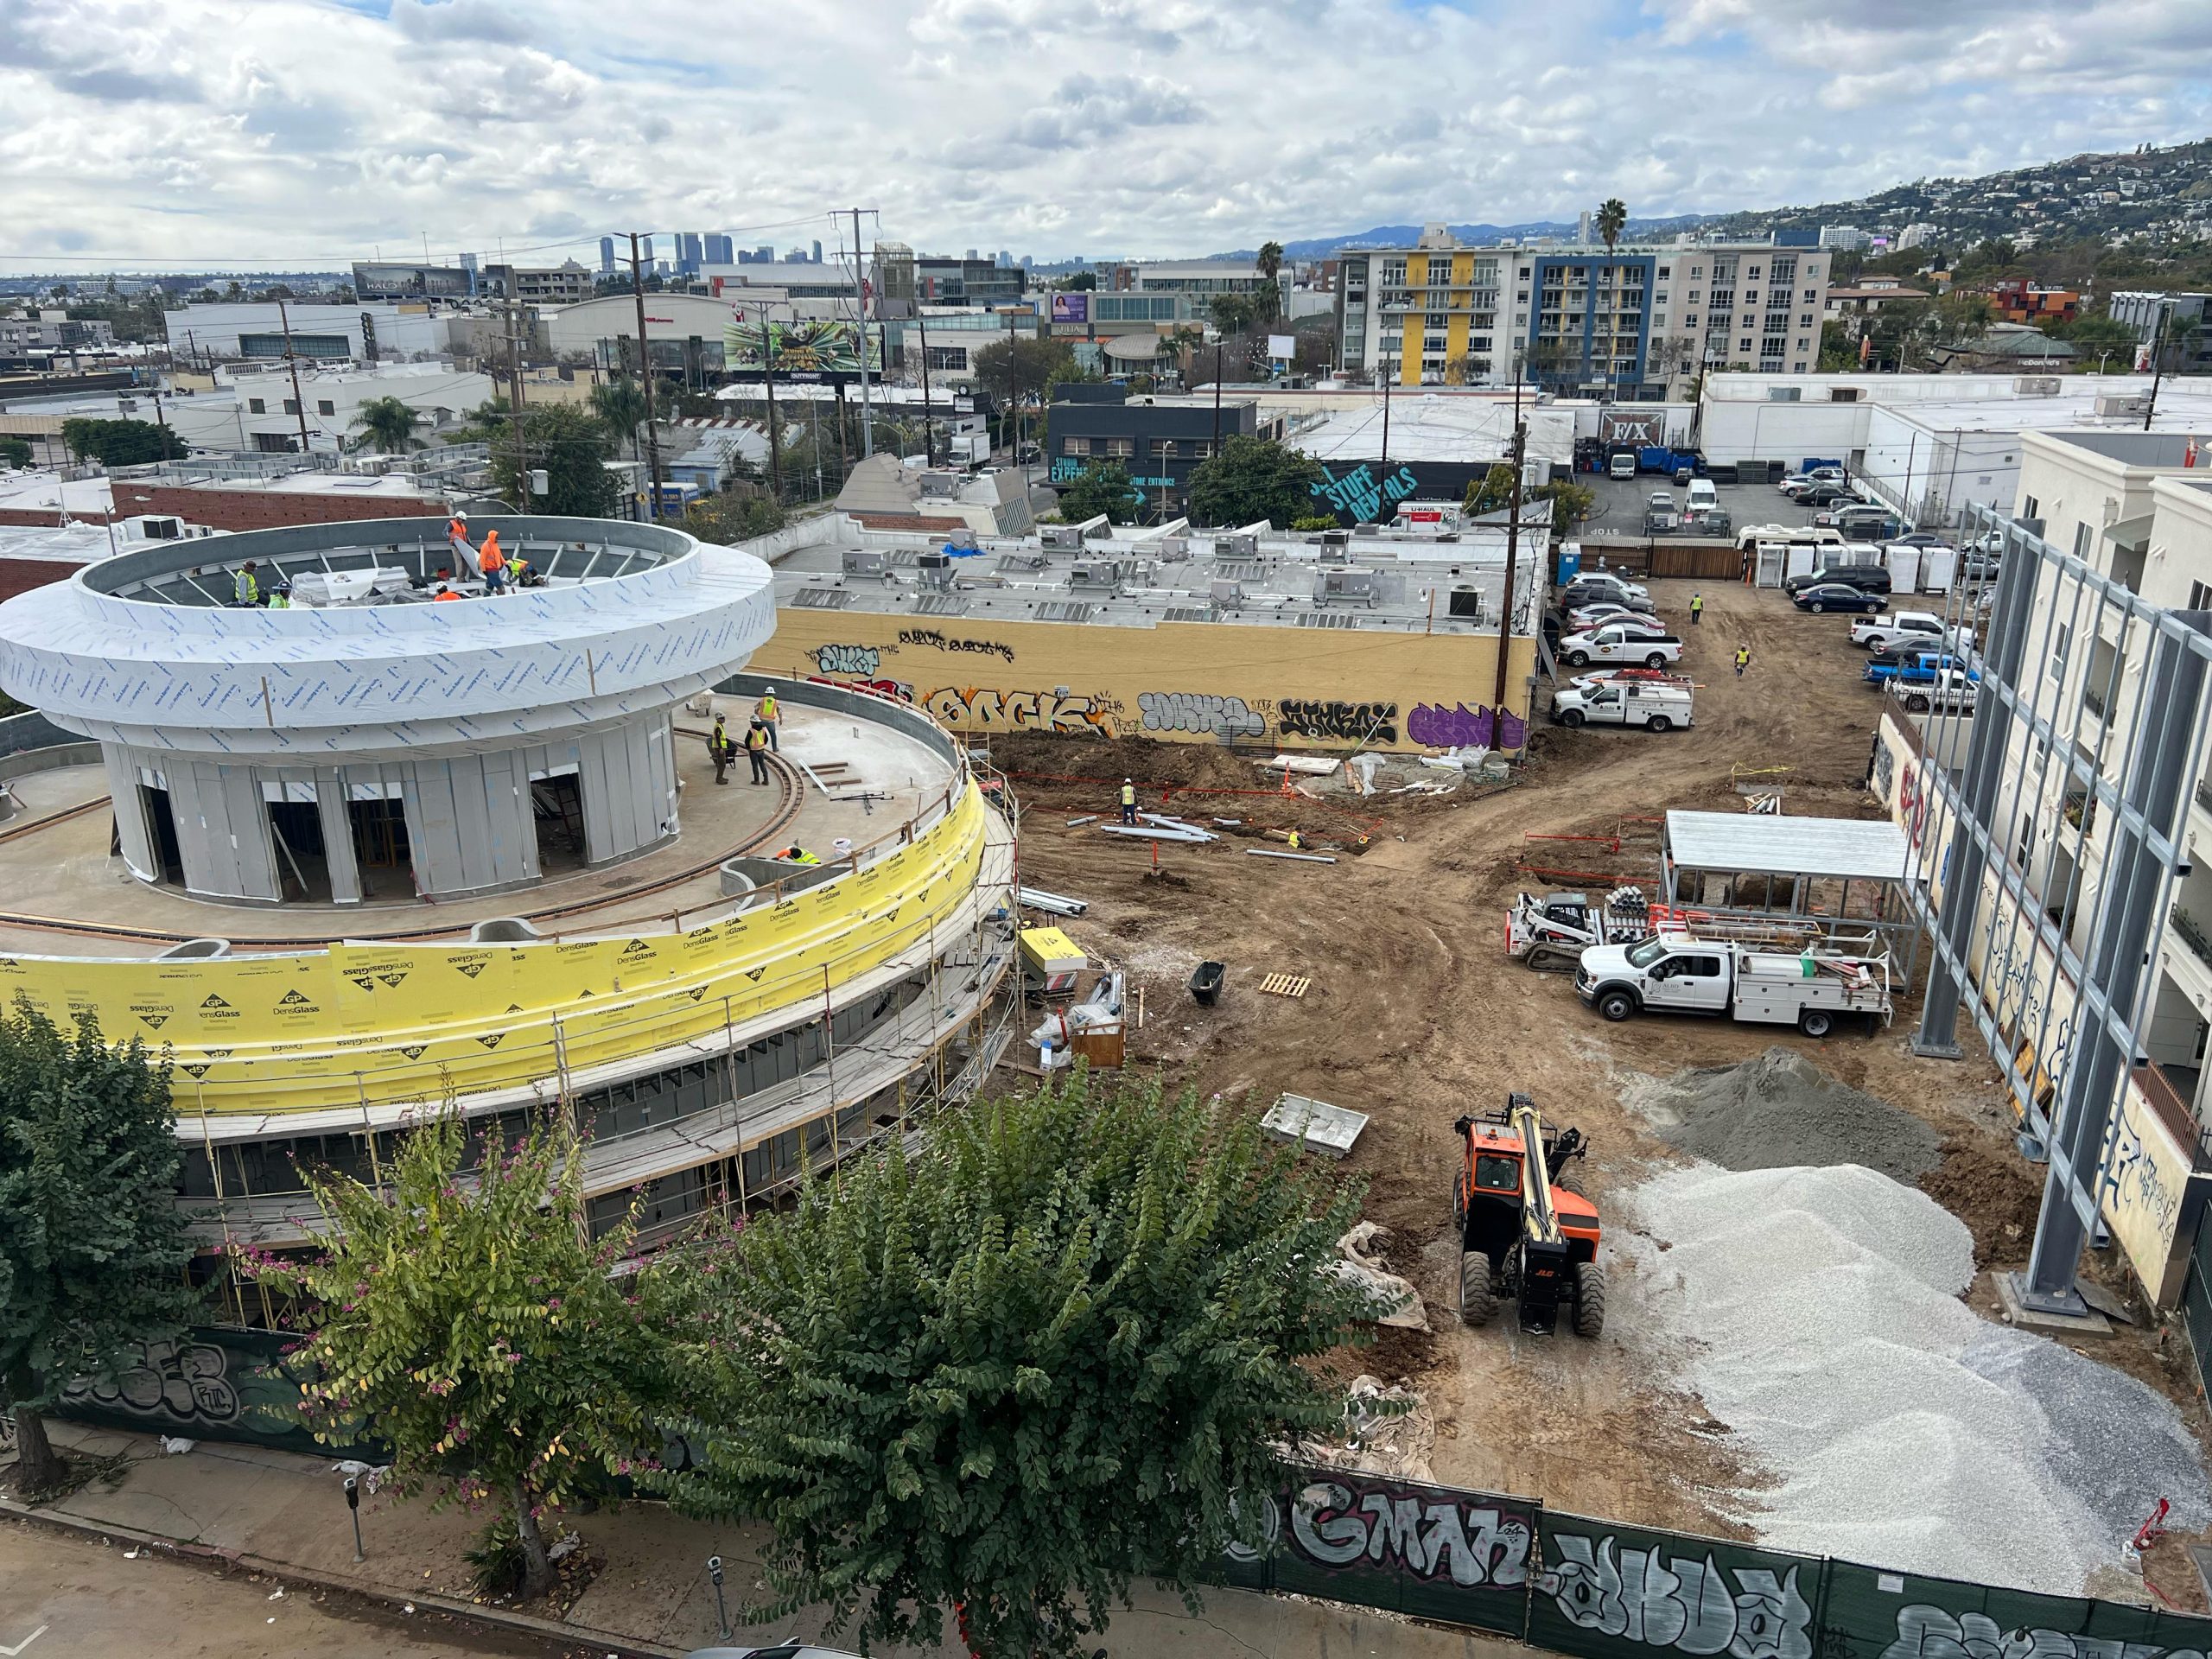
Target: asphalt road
[{"x": 63, "y": 1597}]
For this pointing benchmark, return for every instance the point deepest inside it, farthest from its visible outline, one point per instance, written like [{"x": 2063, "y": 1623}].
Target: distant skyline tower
[
  {"x": 606, "y": 256},
  {"x": 818, "y": 249},
  {"x": 687, "y": 253},
  {"x": 645, "y": 250},
  {"x": 971, "y": 253},
  {"x": 717, "y": 248}
]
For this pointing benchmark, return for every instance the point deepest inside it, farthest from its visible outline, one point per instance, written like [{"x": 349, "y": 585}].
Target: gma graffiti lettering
[
  {"x": 1358, "y": 493},
  {"x": 980, "y": 708},
  {"x": 1431, "y": 1533},
  {"x": 1925, "y": 1632},
  {"x": 1357, "y": 723},
  {"x": 1196, "y": 711},
  {"x": 867, "y": 661},
  {"x": 931, "y": 639},
  {"x": 1692, "y": 1606}
]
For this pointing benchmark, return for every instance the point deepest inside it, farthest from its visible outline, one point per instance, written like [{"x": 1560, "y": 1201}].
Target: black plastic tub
[{"x": 1205, "y": 982}]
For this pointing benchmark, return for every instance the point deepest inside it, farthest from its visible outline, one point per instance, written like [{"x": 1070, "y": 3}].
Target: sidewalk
[{"x": 286, "y": 1514}]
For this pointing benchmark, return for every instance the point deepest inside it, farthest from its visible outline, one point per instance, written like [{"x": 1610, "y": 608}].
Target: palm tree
[
  {"x": 1612, "y": 219},
  {"x": 621, "y": 405},
  {"x": 388, "y": 425},
  {"x": 1270, "y": 264}
]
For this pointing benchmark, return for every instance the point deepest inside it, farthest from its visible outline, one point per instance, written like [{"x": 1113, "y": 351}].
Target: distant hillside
[{"x": 1403, "y": 236}]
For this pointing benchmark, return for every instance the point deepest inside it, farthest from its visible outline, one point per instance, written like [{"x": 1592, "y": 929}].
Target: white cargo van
[
  {"x": 1622, "y": 465},
  {"x": 1703, "y": 497}
]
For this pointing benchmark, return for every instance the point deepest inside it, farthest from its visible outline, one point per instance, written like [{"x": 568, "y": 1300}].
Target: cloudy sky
[{"x": 308, "y": 132}]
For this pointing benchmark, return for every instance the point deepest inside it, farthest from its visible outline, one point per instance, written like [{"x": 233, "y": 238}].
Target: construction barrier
[
  {"x": 1478, "y": 1561},
  {"x": 364, "y": 1025}
]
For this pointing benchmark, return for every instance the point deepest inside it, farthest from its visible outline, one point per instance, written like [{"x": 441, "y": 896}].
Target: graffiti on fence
[
  {"x": 1925, "y": 1632},
  {"x": 898, "y": 688},
  {"x": 185, "y": 1380},
  {"x": 1196, "y": 711},
  {"x": 1360, "y": 722},
  {"x": 864, "y": 660},
  {"x": 1460, "y": 727},
  {"x": 1693, "y": 1606},
  {"x": 931, "y": 639},
  {"x": 1430, "y": 1532},
  {"x": 980, "y": 708}
]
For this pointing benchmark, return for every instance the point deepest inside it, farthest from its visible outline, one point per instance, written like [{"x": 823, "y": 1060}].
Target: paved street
[{"x": 70, "y": 1598}]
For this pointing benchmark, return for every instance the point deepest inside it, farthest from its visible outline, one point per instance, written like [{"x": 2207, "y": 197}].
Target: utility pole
[
  {"x": 291, "y": 362},
  {"x": 646, "y": 379},
  {"x": 514, "y": 411},
  {"x": 860, "y": 314},
  {"x": 2157, "y": 360},
  {"x": 1383, "y": 469},
  {"x": 929, "y": 434},
  {"x": 1217, "y": 400},
  {"x": 1512, "y": 558},
  {"x": 160, "y": 419}
]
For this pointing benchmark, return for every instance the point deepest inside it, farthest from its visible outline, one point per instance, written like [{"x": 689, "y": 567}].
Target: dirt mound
[
  {"x": 1780, "y": 1110},
  {"x": 1994, "y": 1193}
]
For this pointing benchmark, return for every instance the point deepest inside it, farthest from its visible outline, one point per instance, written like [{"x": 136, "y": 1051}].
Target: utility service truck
[
  {"x": 1620, "y": 642},
  {"x": 1674, "y": 972},
  {"x": 1655, "y": 705}
]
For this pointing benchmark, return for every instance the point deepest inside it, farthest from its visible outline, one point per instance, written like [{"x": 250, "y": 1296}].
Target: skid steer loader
[
  {"x": 1526, "y": 1230},
  {"x": 1550, "y": 932}
]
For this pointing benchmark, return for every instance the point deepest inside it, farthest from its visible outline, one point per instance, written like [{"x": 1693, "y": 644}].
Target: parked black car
[
  {"x": 1918, "y": 538},
  {"x": 1874, "y": 578},
  {"x": 1827, "y": 495},
  {"x": 1838, "y": 596}
]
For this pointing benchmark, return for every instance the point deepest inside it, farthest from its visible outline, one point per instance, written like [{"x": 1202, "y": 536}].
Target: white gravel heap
[{"x": 1904, "y": 1430}]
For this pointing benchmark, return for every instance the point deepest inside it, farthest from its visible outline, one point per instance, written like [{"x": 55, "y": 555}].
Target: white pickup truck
[
  {"x": 1620, "y": 642},
  {"x": 1917, "y": 627},
  {"x": 1655, "y": 705},
  {"x": 1951, "y": 690},
  {"x": 1678, "y": 973}
]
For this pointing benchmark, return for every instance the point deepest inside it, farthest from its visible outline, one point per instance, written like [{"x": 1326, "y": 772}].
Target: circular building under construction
[{"x": 377, "y": 850}]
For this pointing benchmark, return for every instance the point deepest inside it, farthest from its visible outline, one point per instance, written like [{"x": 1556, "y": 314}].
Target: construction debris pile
[
  {"x": 1817, "y": 1313},
  {"x": 1780, "y": 1110}
]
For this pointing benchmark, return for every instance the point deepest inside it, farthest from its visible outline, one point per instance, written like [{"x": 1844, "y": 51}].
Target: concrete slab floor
[{"x": 64, "y": 873}]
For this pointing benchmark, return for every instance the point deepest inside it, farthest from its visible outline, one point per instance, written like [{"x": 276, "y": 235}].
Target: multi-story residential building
[
  {"x": 563, "y": 284},
  {"x": 904, "y": 280},
  {"x": 2179, "y": 319},
  {"x": 2018, "y": 300},
  {"x": 1624, "y": 324}
]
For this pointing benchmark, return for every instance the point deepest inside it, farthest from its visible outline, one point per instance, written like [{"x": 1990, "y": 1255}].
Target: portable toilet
[{"x": 1570, "y": 563}]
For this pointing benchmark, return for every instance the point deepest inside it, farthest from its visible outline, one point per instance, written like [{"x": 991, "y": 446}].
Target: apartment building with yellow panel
[
  {"x": 350, "y": 858},
  {"x": 1626, "y": 323}
]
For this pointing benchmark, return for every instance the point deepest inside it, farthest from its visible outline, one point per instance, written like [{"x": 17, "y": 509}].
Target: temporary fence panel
[
  {"x": 1458, "y": 1558},
  {"x": 1611, "y": 1592},
  {"x": 1872, "y": 1614},
  {"x": 210, "y": 1383},
  {"x": 1701, "y": 561}
]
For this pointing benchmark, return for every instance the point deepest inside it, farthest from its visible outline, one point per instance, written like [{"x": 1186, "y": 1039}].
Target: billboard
[
  {"x": 809, "y": 349},
  {"x": 376, "y": 280},
  {"x": 1071, "y": 308}
]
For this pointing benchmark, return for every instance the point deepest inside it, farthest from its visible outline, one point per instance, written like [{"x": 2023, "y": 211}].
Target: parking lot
[{"x": 1620, "y": 505}]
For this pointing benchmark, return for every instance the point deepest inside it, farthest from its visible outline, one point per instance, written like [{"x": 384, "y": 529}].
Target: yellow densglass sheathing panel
[{"x": 292, "y": 1032}]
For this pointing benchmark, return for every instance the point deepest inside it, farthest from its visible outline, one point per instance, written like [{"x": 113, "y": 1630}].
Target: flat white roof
[
  {"x": 1424, "y": 427},
  {"x": 34, "y": 491},
  {"x": 1753, "y": 843}
]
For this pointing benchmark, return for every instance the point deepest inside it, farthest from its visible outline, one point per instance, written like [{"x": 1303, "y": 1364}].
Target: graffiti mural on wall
[
  {"x": 863, "y": 660},
  {"x": 1195, "y": 711},
  {"x": 1357, "y": 722},
  {"x": 1925, "y": 1632},
  {"x": 187, "y": 1380},
  {"x": 1682, "y": 1602},
  {"x": 1462, "y": 727},
  {"x": 982, "y": 709},
  {"x": 1359, "y": 493},
  {"x": 898, "y": 688},
  {"x": 1431, "y": 1534},
  {"x": 930, "y": 638}
]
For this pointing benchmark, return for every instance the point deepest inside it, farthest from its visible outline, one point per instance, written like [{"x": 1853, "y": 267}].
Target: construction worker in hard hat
[
  {"x": 767, "y": 713},
  {"x": 1295, "y": 843},
  {"x": 493, "y": 563},
  {"x": 799, "y": 855},
  {"x": 756, "y": 751},
  {"x": 245, "y": 587},
  {"x": 280, "y": 597},
  {"x": 1128, "y": 800},
  {"x": 443, "y": 593},
  {"x": 457, "y": 538},
  {"x": 718, "y": 748}
]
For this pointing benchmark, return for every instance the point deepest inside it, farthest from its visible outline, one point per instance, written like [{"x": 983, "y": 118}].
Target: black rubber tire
[
  {"x": 1917, "y": 703},
  {"x": 1617, "y": 1005},
  {"x": 1658, "y": 723},
  {"x": 1816, "y": 1023},
  {"x": 1589, "y": 1300},
  {"x": 1817, "y": 606},
  {"x": 1459, "y": 1203},
  {"x": 1571, "y": 1181},
  {"x": 1571, "y": 718},
  {"x": 1874, "y": 643},
  {"x": 1657, "y": 659},
  {"x": 1578, "y": 659},
  {"x": 1478, "y": 1301}
]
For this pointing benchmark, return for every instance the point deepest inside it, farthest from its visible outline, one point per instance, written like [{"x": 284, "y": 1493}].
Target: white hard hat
[{"x": 461, "y": 515}]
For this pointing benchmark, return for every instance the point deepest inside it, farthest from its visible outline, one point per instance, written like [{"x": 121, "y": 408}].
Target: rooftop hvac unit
[
  {"x": 1335, "y": 537},
  {"x": 1173, "y": 550},
  {"x": 1065, "y": 537},
  {"x": 2122, "y": 409},
  {"x": 1243, "y": 545},
  {"x": 2036, "y": 386},
  {"x": 163, "y": 530},
  {"x": 1095, "y": 574},
  {"x": 1465, "y": 602},
  {"x": 1224, "y": 594},
  {"x": 1349, "y": 588},
  {"x": 940, "y": 486},
  {"x": 1334, "y": 553},
  {"x": 867, "y": 562},
  {"x": 935, "y": 569},
  {"x": 1367, "y": 530}
]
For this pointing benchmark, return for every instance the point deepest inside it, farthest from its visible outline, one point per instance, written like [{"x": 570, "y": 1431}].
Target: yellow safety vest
[
  {"x": 768, "y": 708},
  {"x": 755, "y": 739},
  {"x": 245, "y": 590},
  {"x": 806, "y": 858},
  {"x": 1128, "y": 796}
]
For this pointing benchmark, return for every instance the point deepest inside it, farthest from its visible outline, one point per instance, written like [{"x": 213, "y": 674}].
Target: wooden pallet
[{"x": 1285, "y": 984}]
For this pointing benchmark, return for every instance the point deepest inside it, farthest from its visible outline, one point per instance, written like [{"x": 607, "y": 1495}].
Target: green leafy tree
[
  {"x": 571, "y": 446},
  {"x": 1571, "y": 503},
  {"x": 1254, "y": 479},
  {"x": 2096, "y": 337},
  {"x": 463, "y": 1317},
  {"x": 1081, "y": 281},
  {"x": 1314, "y": 522},
  {"x": 93, "y": 1249},
  {"x": 14, "y": 452},
  {"x": 1611, "y": 221},
  {"x": 387, "y": 424},
  {"x": 621, "y": 403},
  {"x": 1102, "y": 486},
  {"x": 730, "y": 517},
  {"x": 1023, "y": 367},
  {"x": 1492, "y": 491},
  {"x": 1269, "y": 297},
  {"x": 119, "y": 442},
  {"x": 1017, "y": 1368},
  {"x": 1233, "y": 314},
  {"x": 1838, "y": 351}
]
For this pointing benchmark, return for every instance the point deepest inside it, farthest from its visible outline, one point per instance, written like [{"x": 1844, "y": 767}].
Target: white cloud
[{"x": 298, "y": 130}]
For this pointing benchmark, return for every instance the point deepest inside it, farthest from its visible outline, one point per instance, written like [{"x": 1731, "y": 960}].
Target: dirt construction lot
[{"x": 1415, "y": 1015}]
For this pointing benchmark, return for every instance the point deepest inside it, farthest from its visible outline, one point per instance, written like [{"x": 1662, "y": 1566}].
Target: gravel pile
[
  {"x": 1902, "y": 1430},
  {"x": 1779, "y": 1111}
]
